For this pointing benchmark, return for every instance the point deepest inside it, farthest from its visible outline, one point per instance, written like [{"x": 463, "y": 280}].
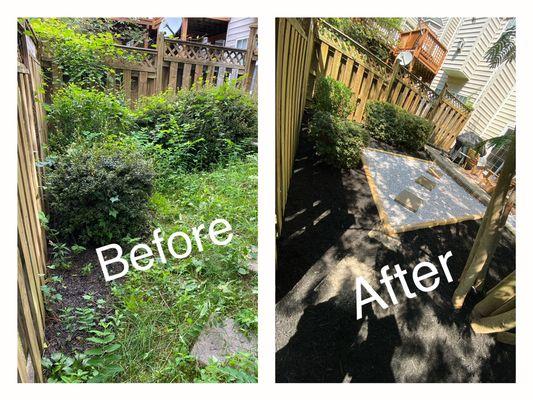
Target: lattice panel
[{"x": 205, "y": 53}]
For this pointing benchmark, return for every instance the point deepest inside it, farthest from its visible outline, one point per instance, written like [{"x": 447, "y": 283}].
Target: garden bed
[{"x": 328, "y": 238}]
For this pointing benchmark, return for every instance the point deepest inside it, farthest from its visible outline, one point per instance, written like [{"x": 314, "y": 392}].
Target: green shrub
[
  {"x": 77, "y": 113},
  {"x": 391, "y": 124},
  {"x": 336, "y": 139},
  {"x": 332, "y": 96},
  {"x": 100, "y": 193},
  {"x": 78, "y": 55},
  {"x": 200, "y": 127}
]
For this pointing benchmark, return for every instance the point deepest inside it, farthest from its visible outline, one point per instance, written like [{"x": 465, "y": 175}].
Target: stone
[
  {"x": 220, "y": 341},
  {"x": 425, "y": 182},
  {"x": 409, "y": 200}
]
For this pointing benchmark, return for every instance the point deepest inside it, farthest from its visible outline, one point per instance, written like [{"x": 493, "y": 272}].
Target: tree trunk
[{"x": 489, "y": 233}]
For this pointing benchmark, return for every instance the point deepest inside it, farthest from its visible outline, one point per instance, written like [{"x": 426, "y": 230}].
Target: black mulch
[{"x": 328, "y": 216}]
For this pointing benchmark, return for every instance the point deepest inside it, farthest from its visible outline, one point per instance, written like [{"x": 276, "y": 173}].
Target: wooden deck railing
[
  {"x": 177, "y": 64},
  {"x": 425, "y": 47}
]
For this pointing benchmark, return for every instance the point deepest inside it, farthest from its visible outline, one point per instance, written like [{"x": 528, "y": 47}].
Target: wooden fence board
[
  {"x": 31, "y": 240},
  {"x": 294, "y": 51}
]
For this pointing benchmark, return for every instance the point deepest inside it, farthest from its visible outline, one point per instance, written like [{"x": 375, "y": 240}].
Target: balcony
[{"x": 428, "y": 53}]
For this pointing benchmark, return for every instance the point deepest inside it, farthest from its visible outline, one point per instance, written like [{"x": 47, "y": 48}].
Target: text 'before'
[{"x": 219, "y": 233}]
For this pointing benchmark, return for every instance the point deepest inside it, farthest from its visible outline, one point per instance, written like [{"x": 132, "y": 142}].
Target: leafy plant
[
  {"x": 100, "y": 363},
  {"x": 99, "y": 193},
  {"x": 241, "y": 368},
  {"x": 60, "y": 255},
  {"x": 337, "y": 140},
  {"x": 79, "y": 56},
  {"x": 378, "y": 35},
  {"x": 77, "y": 113},
  {"x": 198, "y": 128},
  {"x": 87, "y": 269},
  {"x": 333, "y": 97},
  {"x": 504, "y": 49},
  {"x": 51, "y": 295},
  {"x": 390, "y": 123},
  {"x": 77, "y": 249}
]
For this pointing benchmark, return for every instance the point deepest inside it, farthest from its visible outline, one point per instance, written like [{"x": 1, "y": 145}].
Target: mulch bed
[{"x": 328, "y": 217}]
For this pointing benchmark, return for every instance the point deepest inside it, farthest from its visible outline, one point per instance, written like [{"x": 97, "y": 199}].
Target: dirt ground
[
  {"x": 73, "y": 287},
  {"x": 325, "y": 243}
]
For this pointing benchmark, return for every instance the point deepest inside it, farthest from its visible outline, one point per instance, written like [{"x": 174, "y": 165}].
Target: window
[{"x": 242, "y": 43}]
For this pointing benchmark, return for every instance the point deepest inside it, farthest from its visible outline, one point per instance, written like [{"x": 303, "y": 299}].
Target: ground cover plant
[{"x": 112, "y": 175}]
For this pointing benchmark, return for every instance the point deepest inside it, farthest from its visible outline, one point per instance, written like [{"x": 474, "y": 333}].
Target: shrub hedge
[
  {"x": 199, "y": 127},
  {"x": 99, "y": 193},
  {"x": 333, "y": 97},
  {"x": 338, "y": 140},
  {"x": 391, "y": 124},
  {"x": 77, "y": 113}
]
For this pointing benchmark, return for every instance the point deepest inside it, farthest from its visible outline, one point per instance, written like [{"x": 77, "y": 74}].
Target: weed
[{"x": 87, "y": 269}]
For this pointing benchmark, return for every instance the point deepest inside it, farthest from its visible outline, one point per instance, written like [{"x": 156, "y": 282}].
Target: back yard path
[{"x": 325, "y": 244}]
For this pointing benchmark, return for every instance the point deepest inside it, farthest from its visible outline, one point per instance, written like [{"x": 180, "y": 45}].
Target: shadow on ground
[{"x": 325, "y": 244}]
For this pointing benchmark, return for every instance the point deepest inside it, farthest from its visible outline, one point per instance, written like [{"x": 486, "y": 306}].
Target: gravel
[{"x": 393, "y": 173}]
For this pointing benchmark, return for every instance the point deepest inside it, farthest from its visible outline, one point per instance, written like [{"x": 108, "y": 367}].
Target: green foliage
[
  {"x": 391, "y": 124},
  {"x": 504, "y": 49},
  {"x": 87, "y": 269},
  {"x": 76, "y": 113},
  {"x": 375, "y": 34},
  {"x": 97, "y": 364},
  {"x": 79, "y": 56},
  {"x": 333, "y": 97},
  {"x": 166, "y": 308},
  {"x": 127, "y": 32},
  {"x": 100, "y": 193},
  {"x": 241, "y": 368},
  {"x": 338, "y": 140},
  {"x": 198, "y": 128}
]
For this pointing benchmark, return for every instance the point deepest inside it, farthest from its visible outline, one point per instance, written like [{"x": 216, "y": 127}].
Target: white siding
[
  {"x": 238, "y": 28},
  {"x": 492, "y": 91}
]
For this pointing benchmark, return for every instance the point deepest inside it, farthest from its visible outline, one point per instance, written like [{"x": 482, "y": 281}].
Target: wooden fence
[
  {"x": 177, "y": 64},
  {"x": 294, "y": 48},
  {"x": 369, "y": 78},
  {"x": 31, "y": 247},
  {"x": 307, "y": 49}
]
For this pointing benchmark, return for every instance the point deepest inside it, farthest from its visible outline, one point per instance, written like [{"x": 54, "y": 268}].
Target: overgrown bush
[
  {"x": 79, "y": 56},
  {"x": 98, "y": 194},
  {"x": 378, "y": 35},
  {"x": 77, "y": 113},
  {"x": 332, "y": 96},
  {"x": 391, "y": 124},
  {"x": 200, "y": 127},
  {"x": 338, "y": 140}
]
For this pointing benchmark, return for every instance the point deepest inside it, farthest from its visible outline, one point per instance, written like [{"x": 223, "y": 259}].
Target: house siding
[
  {"x": 238, "y": 28},
  {"x": 492, "y": 91}
]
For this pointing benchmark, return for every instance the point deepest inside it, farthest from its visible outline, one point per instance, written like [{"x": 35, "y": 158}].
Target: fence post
[
  {"x": 438, "y": 102},
  {"x": 395, "y": 70},
  {"x": 159, "y": 62},
  {"x": 249, "y": 56}
]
